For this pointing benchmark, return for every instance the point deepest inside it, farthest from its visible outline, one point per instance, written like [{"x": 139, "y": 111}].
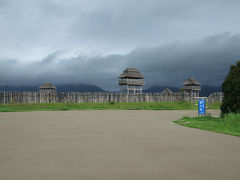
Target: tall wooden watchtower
[
  {"x": 191, "y": 86},
  {"x": 131, "y": 81}
]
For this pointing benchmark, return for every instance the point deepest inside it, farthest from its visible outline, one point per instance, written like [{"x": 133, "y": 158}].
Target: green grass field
[
  {"x": 97, "y": 106},
  {"x": 214, "y": 106},
  {"x": 101, "y": 106},
  {"x": 229, "y": 124}
]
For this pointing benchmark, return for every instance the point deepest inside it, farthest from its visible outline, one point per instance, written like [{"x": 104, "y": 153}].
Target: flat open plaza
[{"x": 113, "y": 145}]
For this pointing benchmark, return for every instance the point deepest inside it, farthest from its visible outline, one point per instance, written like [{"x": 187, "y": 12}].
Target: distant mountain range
[
  {"x": 206, "y": 89},
  {"x": 79, "y": 88},
  {"x": 60, "y": 88}
]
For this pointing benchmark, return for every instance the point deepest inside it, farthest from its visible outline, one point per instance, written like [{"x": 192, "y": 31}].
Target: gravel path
[{"x": 113, "y": 145}]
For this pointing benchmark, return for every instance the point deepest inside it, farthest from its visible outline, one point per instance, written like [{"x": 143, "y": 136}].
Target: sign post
[{"x": 201, "y": 107}]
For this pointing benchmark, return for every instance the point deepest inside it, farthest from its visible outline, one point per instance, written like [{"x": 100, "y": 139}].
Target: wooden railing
[{"x": 138, "y": 82}]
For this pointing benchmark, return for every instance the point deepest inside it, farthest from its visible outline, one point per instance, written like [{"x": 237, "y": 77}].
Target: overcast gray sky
[{"x": 83, "y": 41}]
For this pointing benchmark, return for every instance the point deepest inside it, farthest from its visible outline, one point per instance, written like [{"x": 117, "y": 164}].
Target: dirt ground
[{"x": 113, "y": 145}]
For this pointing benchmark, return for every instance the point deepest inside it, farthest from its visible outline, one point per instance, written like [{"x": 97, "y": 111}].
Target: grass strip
[
  {"x": 214, "y": 105},
  {"x": 97, "y": 106},
  {"x": 229, "y": 124}
]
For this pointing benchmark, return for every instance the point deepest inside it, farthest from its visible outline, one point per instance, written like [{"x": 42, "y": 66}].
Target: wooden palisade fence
[{"x": 7, "y": 97}]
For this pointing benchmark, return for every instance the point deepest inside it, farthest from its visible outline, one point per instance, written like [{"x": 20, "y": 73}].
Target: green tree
[{"x": 231, "y": 91}]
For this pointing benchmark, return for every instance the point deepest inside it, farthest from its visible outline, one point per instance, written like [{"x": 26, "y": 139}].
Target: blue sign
[{"x": 201, "y": 106}]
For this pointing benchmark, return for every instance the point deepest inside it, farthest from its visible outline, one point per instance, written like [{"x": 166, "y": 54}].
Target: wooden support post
[{"x": 4, "y": 100}]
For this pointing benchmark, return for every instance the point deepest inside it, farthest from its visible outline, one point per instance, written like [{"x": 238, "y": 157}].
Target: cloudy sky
[{"x": 83, "y": 41}]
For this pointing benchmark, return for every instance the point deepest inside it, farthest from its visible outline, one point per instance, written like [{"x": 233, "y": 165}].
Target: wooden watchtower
[
  {"x": 131, "y": 81},
  {"x": 191, "y": 86},
  {"x": 47, "y": 93}
]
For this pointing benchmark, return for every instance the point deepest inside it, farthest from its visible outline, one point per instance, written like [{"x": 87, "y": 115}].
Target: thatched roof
[
  {"x": 47, "y": 86},
  {"x": 191, "y": 81},
  {"x": 167, "y": 91},
  {"x": 131, "y": 73}
]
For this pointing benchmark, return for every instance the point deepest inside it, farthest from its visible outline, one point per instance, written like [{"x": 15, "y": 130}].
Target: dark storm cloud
[
  {"x": 207, "y": 60},
  {"x": 82, "y": 41},
  {"x": 30, "y": 29}
]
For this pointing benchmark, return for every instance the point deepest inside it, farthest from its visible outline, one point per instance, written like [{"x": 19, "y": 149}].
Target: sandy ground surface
[{"x": 113, "y": 145}]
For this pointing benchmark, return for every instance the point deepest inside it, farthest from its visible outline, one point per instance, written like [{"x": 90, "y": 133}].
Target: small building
[
  {"x": 47, "y": 93},
  {"x": 131, "y": 81},
  {"x": 167, "y": 91},
  {"x": 47, "y": 87},
  {"x": 191, "y": 86}
]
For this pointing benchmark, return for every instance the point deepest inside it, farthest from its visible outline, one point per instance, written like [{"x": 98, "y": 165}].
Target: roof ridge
[
  {"x": 131, "y": 73},
  {"x": 47, "y": 85}
]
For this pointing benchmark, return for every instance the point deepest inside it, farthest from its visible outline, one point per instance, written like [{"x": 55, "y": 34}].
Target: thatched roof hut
[
  {"x": 167, "y": 91},
  {"x": 131, "y": 81},
  {"x": 131, "y": 73},
  {"x": 191, "y": 82},
  {"x": 47, "y": 86},
  {"x": 191, "y": 86}
]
